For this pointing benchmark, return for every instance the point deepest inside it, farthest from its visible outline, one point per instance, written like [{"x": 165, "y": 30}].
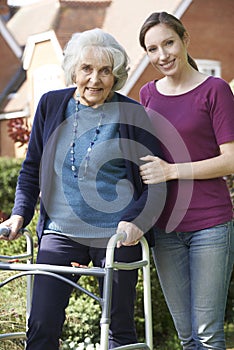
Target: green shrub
[
  {"x": 9, "y": 171},
  {"x": 83, "y": 316}
]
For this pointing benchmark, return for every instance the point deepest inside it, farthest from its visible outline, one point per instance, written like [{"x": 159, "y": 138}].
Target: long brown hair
[{"x": 169, "y": 20}]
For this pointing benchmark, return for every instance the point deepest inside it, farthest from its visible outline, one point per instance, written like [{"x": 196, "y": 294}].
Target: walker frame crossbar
[{"x": 29, "y": 269}]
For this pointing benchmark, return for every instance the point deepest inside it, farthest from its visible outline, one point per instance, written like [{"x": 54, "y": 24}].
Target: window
[{"x": 209, "y": 67}]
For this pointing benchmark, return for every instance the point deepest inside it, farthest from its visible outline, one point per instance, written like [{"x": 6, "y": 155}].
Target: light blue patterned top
[{"x": 92, "y": 207}]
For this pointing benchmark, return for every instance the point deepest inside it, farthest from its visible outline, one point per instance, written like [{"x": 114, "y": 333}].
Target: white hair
[{"x": 105, "y": 44}]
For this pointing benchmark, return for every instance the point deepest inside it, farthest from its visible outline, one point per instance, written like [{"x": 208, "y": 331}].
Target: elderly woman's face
[{"x": 94, "y": 78}]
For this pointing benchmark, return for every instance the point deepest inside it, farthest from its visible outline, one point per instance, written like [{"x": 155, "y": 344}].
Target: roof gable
[
  {"x": 38, "y": 38},
  {"x": 10, "y": 63},
  {"x": 10, "y": 39}
]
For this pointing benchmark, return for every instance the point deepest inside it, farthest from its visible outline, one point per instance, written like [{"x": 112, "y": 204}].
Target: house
[{"x": 33, "y": 36}]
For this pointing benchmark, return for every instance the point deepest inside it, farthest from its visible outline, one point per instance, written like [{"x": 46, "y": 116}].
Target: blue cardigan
[{"x": 34, "y": 178}]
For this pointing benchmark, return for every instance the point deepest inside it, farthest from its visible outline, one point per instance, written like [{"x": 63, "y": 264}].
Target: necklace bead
[{"x": 91, "y": 144}]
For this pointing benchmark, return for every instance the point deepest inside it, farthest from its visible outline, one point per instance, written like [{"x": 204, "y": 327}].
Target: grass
[{"x": 12, "y": 310}]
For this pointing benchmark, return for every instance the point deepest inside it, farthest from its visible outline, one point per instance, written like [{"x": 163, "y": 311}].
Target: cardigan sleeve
[
  {"x": 138, "y": 140},
  {"x": 49, "y": 115},
  {"x": 27, "y": 189}
]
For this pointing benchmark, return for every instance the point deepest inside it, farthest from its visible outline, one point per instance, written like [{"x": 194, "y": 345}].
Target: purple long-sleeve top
[{"x": 191, "y": 127}]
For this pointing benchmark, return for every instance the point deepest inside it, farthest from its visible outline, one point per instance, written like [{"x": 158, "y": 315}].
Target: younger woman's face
[
  {"x": 94, "y": 78},
  {"x": 165, "y": 49}
]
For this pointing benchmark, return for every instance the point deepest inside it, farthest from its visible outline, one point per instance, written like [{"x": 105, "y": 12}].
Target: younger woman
[{"x": 193, "y": 115}]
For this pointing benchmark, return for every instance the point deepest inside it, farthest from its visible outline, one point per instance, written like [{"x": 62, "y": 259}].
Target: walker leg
[
  {"x": 147, "y": 295},
  {"x": 106, "y": 309},
  {"x": 147, "y": 307}
]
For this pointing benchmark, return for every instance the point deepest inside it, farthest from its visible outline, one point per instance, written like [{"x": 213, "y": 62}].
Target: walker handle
[{"x": 5, "y": 231}]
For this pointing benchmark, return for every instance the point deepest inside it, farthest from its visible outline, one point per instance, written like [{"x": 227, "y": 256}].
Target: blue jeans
[{"x": 194, "y": 270}]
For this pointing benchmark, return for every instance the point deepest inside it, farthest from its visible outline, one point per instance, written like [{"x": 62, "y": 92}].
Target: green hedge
[{"x": 9, "y": 170}]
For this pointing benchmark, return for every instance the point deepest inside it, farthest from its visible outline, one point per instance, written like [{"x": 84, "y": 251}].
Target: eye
[
  {"x": 106, "y": 71},
  {"x": 152, "y": 49},
  {"x": 86, "y": 69},
  {"x": 169, "y": 43}
]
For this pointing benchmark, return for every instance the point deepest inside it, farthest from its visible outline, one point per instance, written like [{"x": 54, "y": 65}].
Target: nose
[
  {"x": 94, "y": 77},
  {"x": 163, "y": 53}
]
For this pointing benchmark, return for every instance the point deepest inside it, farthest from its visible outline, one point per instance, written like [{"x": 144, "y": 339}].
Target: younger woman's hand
[{"x": 156, "y": 170}]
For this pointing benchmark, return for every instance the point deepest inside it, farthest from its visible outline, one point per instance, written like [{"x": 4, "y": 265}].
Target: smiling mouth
[
  {"x": 94, "y": 90},
  {"x": 167, "y": 65}
]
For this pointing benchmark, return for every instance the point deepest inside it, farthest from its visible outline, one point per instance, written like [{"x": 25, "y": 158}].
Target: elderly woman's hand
[
  {"x": 132, "y": 231},
  {"x": 14, "y": 224}
]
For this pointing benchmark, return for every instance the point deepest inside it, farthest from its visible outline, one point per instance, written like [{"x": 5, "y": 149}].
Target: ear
[{"x": 186, "y": 39}]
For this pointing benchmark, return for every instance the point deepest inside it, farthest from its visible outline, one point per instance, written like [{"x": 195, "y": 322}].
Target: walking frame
[{"x": 29, "y": 269}]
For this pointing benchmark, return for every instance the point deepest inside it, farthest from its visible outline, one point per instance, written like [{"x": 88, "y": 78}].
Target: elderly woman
[{"x": 83, "y": 159}]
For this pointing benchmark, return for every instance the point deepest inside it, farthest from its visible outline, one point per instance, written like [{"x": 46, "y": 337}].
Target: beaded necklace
[{"x": 90, "y": 147}]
